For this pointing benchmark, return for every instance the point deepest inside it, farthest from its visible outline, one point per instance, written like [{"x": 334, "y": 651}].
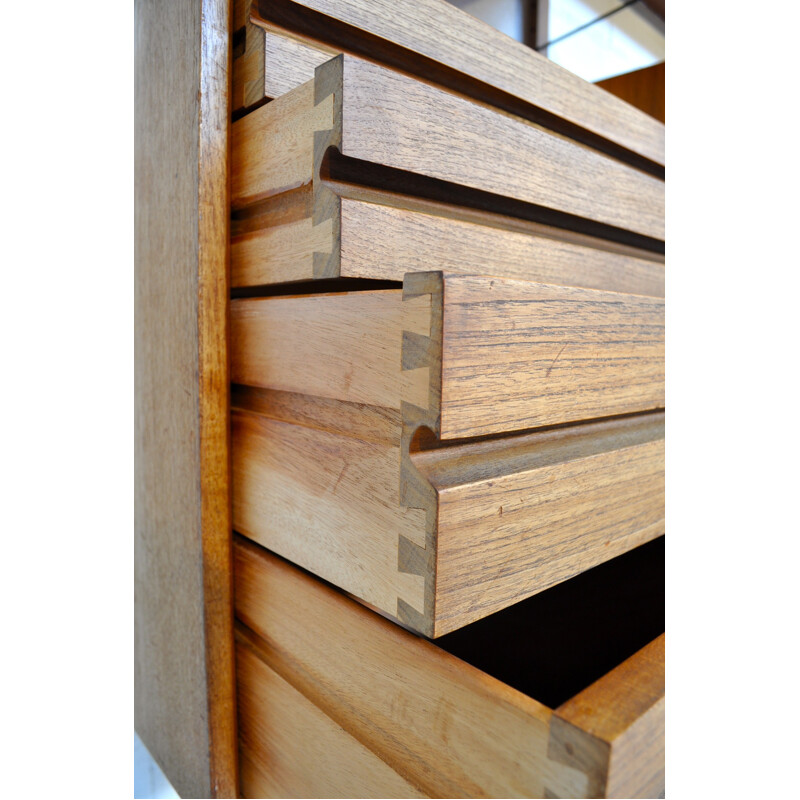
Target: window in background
[
  {"x": 507, "y": 16},
  {"x": 628, "y": 39}
]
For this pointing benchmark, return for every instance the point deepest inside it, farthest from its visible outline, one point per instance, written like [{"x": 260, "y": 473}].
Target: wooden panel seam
[
  {"x": 421, "y": 351},
  {"x": 328, "y": 83}
]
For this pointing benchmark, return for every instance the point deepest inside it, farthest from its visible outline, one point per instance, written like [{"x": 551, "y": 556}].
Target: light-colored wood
[
  {"x": 416, "y": 234},
  {"x": 513, "y": 354},
  {"x": 413, "y": 240},
  {"x": 279, "y": 254},
  {"x": 521, "y": 355},
  {"x": 273, "y": 147},
  {"x": 344, "y": 346},
  {"x": 328, "y": 502},
  {"x": 396, "y": 121},
  {"x": 552, "y": 505},
  {"x": 184, "y": 674},
  {"x": 426, "y": 535},
  {"x": 371, "y": 423},
  {"x": 615, "y": 727},
  {"x": 458, "y": 356},
  {"x": 292, "y": 749},
  {"x": 248, "y": 82},
  {"x": 436, "y": 41},
  {"x": 387, "y": 119},
  {"x": 291, "y": 61},
  {"x": 453, "y": 730}
]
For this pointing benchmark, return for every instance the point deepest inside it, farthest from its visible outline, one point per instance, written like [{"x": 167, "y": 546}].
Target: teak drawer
[
  {"x": 351, "y": 454},
  {"x": 323, "y": 681},
  {"x": 362, "y": 149},
  {"x": 463, "y": 355}
]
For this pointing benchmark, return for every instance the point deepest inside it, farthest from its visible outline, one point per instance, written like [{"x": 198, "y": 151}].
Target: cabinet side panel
[{"x": 184, "y": 702}]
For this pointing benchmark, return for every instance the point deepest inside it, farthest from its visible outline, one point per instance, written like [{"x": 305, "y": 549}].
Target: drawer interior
[
  {"x": 484, "y": 717},
  {"x": 556, "y": 643}
]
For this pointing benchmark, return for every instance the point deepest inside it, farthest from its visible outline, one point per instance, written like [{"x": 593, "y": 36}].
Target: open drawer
[
  {"x": 366, "y": 172},
  {"x": 323, "y": 681},
  {"x": 354, "y": 449},
  {"x": 475, "y": 355}
]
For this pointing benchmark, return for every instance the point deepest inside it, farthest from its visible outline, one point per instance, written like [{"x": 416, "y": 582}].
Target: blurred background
[{"x": 618, "y": 44}]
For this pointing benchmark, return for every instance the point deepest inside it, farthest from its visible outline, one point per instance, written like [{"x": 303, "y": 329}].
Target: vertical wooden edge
[
  {"x": 615, "y": 727},
  {"x": 328, "y": 82},
  {"x": 248, "y": 84},
  {"x": 255, "y": 52},
  {"x": 420, "y": 352},
  {"x": 578, "y": 750},
  {"x": 214, "y": 379}
]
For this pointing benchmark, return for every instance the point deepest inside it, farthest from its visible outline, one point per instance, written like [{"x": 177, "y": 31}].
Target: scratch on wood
[
  {"x": 547, "y": 374},
  {"x": 338, "y": 480}
]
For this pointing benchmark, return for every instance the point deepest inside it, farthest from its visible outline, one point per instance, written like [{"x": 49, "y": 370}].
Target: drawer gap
[
  {"x": 340, "y": 35},
  {"x": 344, "y": 170},
  {"x": 556, "y": 643},
  {"x": 315, "y": 287}
]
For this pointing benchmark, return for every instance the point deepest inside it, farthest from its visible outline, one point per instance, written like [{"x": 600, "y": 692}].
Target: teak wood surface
[
  {"x": 511, "y": 355},
  {"x": 615, "y": 727},
  {"x": 248, "y": 74},
  {"x": 290, "y": 748},
  {"x": 330, "y": 438},
  {"x": 442, "y": 44},
  {"x": 447, "y": 728},
  {"x": 184, "y": 668},
  {"x": 280, "y": 242},
  {"x": 427, "y": 535},
  {"x": 408, "y": 131}
]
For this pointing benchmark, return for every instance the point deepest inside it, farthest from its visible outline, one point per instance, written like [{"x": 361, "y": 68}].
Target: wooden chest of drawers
[
  {"x": 432, "y": 376},
  {"x": 414, "y": 720},
  {"x": 336, "y": 388}
]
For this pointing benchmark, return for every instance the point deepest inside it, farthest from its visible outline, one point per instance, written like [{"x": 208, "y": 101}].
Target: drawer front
[
  {"x": 279, "y": 240},
  {"x": 409, "y": 159},
  {"x": 352, "y": 415},
  {"x": 447, "y": 728},
  {"x": 480, "y": 355},
  {"x": 479, "y": 61},
  {"x": 383, "y": 118},
  {"x": 552, "y": 504}
]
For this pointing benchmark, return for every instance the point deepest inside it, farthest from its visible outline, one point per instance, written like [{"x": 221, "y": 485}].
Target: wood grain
[
  {"x": 292, "y": 749},
  {"x": 616, "y": 727},
  {"x": 273, "y": 147},
  {"x": 439, "y": 42},
  {"x": 518, "y": 515},
  {"x": 291, "y": 61},
  {"x": 643, "y": 88},
  {"x": 279, "y": 254},
  {"x": 184, "y": 679},
  {"x": 344, "y": 346},
  {"x": 381, "y": 117},
  {"x": 514, "y": 354},
  {"x": 415, "y": 240},
  {"x": 248, "y": 82},
  {"x": 447, "y": 727},
  {"x": 427, "y": 535},
  {"x": 278, "y": 246},
  {"x": 370, "y": 423},
  {"x": 519, "y": 355},
  {"x": 328, "y": 502},
  {"x": 396, "y": 121}
]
